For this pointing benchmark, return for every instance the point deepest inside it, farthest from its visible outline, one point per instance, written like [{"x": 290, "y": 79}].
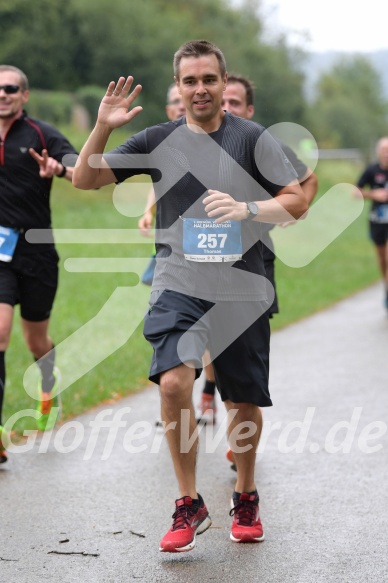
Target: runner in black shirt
[
  {"x": 373, "y": 185},
  {"x": 30, "y": 156},
  {"x": 209, "y": 285}
]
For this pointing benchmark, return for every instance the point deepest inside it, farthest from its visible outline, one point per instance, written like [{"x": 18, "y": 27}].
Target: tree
[
  {"x": 279, "y": 85},
  {"x": 91, "y": 42},
  {"x": 42, "y": 39},
  {"x": 350, "y": 110}
]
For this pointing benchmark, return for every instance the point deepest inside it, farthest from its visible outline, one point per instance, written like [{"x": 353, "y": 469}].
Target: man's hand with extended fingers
[{"x": 114, "y": 110}]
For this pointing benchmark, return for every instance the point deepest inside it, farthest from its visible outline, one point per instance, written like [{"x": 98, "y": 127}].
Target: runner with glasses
[
  {"x": 10, "y": 89},
  {"x": 31, "y": 153}
]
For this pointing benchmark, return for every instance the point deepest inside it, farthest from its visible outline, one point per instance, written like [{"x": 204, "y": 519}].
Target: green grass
[{"x": 347, "y": 265}]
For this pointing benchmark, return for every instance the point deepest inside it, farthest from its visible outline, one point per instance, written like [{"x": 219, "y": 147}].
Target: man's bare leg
[
  {"x": 176, "y": 388},
  {"x": 248, "y": 421}
]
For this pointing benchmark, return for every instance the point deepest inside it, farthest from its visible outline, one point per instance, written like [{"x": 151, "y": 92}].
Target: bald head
[{"x": 382, "y": 152}]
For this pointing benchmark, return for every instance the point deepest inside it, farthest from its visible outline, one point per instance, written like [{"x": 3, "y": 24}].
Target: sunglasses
[{"x": 10, "y": 89}]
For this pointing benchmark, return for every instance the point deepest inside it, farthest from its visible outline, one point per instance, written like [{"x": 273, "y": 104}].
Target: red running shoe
[
  {"x": 246, "y": 526},
  {"x": 208, "y": 409},
  {"x": 189, "y": 519}
]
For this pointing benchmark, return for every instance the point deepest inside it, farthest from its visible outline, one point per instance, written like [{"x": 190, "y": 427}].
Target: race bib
[
  {"x": 382, "y": 213},
  {"x": 8, "y": 240},
  {"x": 206, "y": 240},
  {"x": 379, "y": 214}
]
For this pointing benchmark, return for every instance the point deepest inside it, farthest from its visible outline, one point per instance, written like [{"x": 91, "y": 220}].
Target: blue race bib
[
  {"x": 205, "y": 240},
  {"x": 8, "y": 240},
  {"x": 382, "y": 213}
]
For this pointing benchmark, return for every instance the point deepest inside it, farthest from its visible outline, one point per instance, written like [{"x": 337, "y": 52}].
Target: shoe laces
[
  {"x": 182, "y": 516},
  {"x": 245, "y": 511}
]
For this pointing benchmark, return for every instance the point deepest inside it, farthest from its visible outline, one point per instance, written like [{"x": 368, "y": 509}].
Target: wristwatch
[
  {"x": 253, "y": 210},
  {"x": 62, "y": 172}
]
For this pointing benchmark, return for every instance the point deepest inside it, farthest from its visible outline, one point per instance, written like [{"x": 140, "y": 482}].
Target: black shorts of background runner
[
  {"x": 378, "y": 233},
  {"x": 241, "y": 369},
  {"x": 31, "y": 280}
]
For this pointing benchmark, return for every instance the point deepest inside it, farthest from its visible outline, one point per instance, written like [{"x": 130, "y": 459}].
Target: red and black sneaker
[
  {"x": 189, "y": 519},
  {"x": 246, "y": 526}
]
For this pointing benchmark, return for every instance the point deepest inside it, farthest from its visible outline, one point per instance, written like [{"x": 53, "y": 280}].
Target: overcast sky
[{"x": 341, "y": 25}]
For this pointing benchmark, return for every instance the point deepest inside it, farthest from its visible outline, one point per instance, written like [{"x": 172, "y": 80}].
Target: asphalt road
[{"x": 89, "y": 503}]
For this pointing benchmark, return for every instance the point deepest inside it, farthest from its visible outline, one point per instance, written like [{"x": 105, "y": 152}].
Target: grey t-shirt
[{"x": 241, "y": 159}]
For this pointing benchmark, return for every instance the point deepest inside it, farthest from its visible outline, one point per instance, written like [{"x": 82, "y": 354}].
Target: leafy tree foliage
[
  {"x": 350, "y": 110},
  {"x": 42, "y": 39},
  {"x": 278, "y": 83},
  {"x": 68, "y": 45}
]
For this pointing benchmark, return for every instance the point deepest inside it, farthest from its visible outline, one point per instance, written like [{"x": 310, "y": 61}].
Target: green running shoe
[
  {"x": 3, "y": 454},
  {"x": 49, "y": 405}
]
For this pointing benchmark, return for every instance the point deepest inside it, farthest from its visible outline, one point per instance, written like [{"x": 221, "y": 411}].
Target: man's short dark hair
[
  {"x": 249, "y": 87},
  {"x": 199, "y": 48},
  {"x": 23, "y": 76}
]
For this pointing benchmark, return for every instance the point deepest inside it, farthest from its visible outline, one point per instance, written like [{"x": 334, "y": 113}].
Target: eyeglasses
[
  {"x": 10, "y": 89},
  {"x": 175, "y": 102}
]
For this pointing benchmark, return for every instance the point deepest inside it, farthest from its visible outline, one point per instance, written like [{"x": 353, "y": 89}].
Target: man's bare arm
[{"x": 290, "y": 203}]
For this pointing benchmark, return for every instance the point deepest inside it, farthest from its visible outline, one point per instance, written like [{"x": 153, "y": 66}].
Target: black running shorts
[
  {"x": 31, "y": 280},
  {"x": 180, "y": 328},
  {"x": 378, "y": 233}
]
